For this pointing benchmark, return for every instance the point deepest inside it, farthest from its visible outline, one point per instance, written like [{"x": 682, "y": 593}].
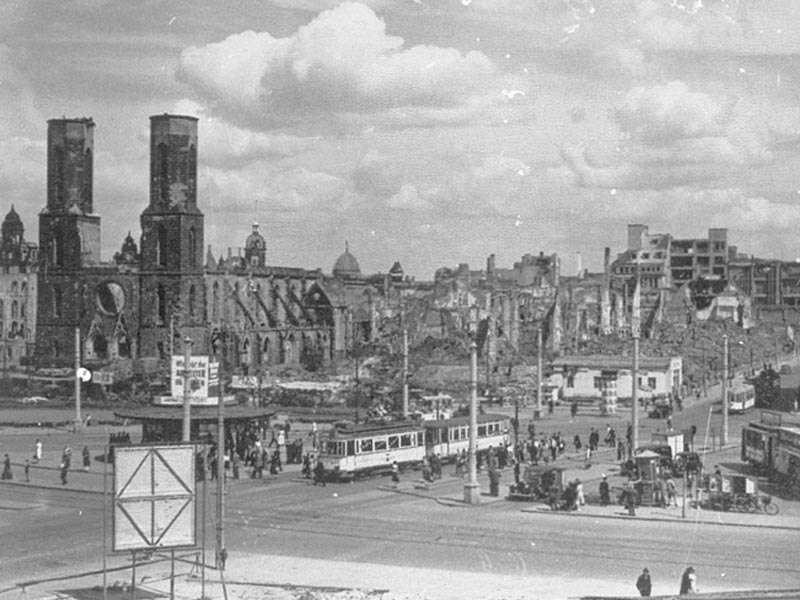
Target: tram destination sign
[{"x": 154, "y": 497}]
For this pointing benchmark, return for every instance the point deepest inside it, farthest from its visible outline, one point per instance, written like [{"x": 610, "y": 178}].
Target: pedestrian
[
  {"x": 587, "y": 459},
  {"x": 395, "y": 473},
  {"x": 319, "y": 473},
  {"x": 629, "y": 498},
  {"x": 87, "y": 459},
  {"x": 576, "y": 441},
  {"x": 573, "y": 408},
  {"x": 236, "y": 465},
  {"x": 37, "y": 453},
  {"x": 64, "y": 470},
  {"x": 27, "y": 471},
  {"x": 688, "y": 582},
  {"x": 605, "y": 497},
  {"x": 672, "y": 496},
  {"x": 669, "y": 423},
  {"x": 6, "y": 468},
  {"x": 494, "y": 482},
  {"x": 579, "y": 491},
  {"x": 643, "y": 584},
  {"x": 66, "y": 456}
]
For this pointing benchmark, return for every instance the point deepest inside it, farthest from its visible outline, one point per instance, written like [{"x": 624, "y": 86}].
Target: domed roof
[
  {"x": 12, "y": 216},
  {"x": 346, "y": 265},
  {"x": 255, "y": 239}
]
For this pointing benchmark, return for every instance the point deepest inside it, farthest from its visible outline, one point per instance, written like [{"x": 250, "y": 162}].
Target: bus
[{"x": 741, "y": 398}]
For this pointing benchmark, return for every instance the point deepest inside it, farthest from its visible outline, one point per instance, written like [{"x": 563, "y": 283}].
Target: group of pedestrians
[
  {"x": 688, "y": 583},
  {"x": 63, "y": 467}
]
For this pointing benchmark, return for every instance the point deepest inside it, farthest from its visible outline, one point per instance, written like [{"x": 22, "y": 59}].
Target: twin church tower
[{"x": 122, "y": 308}]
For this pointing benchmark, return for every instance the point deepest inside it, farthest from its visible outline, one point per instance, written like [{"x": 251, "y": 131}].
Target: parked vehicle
[{"x": 536, "y": 482}]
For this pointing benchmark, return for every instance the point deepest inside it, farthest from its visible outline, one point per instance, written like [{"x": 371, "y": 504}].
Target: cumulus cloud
[
  {"x": 671, "y": 136},
  {"x": 665, "y": 113},
  {"x": 341, "y": 61},
  {"x": 243, "y": 189},
  {"x": 409, "y": 198},
  {"x": 228, "y": 146}
]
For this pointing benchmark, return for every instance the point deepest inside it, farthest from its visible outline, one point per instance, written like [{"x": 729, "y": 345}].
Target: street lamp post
[
  {"x": 724, "y": 437},
  {"x": 187, "y": 400},
  {"x": 405, "y": 373},
  {"x": 472, "y": 490},
  {"x": 221, "y": 552},
  {"x": 539, "y": 371}
]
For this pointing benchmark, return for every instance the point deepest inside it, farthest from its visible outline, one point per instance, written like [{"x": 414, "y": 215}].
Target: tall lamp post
[
  {"x": 221, "y": 552},
  {"x": 724, "y": 437},
  {"x": 539, "y": 371},
  {"x": 187, "y": 400},
  {"x": 472, "y": 489}
]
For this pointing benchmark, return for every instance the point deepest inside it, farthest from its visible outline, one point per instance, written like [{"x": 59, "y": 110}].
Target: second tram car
[{"x": 450, "y": 437}]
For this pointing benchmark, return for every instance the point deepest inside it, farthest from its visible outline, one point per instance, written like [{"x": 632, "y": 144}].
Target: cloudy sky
[{"x": 432, "y": 132}]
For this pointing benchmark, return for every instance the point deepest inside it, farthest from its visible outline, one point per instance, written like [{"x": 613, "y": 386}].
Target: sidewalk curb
[
  {"x": 50, "y": 487},
  {"x": 655, "y": 519}
]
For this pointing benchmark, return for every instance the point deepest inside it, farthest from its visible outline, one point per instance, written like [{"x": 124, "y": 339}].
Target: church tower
[
  {"x": 69, "y": 234},
  {"x": 172, "y": 279},
  {"x": 69, "y": 231}
]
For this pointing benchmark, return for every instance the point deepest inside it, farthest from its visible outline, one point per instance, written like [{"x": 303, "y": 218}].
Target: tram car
[
  {"x": 360, "y": 450},
  {"x": 760, "y": 445},
  {"x": 741, "y": 398},
  {"x": 449, "y": 437},
  {"x": 351, "y": 452}
]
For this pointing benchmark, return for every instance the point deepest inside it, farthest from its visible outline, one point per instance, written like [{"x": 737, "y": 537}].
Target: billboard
[
  {"x": 202, "y": 375},
  {"x": 154, "y": 497}
]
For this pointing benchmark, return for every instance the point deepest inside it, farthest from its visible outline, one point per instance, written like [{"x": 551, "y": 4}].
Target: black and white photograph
[{"x": 399, "y": 299}]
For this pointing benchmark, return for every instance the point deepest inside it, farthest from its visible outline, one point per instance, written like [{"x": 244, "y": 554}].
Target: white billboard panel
[{"x": 154, "y": 497}]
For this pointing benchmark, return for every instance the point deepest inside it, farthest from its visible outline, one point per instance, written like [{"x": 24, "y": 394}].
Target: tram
[
  {"x": 450, "y": 437},
  {"x": 354, "y": 451},
  {"x": 741, "y": 398},
  {"x": 773, "y": 446},
  {"x": 759, "y": 444}
]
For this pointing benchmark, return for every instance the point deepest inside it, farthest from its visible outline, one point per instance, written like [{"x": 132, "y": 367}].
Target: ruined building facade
[{"x": 156, "y": 293}]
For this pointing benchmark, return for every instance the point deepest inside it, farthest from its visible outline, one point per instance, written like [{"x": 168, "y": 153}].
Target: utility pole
[
  {"x": 472, "y": 490},
  {"x": 405, "y": 373},
  {"x": 724, "y": 438},
  {"x": 539, "y": 371},
  {"x": 77, "y": 378},
  {"x": 221, "y": 439},
  {"x": 636, "y": 325},
  {"x": 187, "y": 400},
  {"x": 705, "y": 389}
]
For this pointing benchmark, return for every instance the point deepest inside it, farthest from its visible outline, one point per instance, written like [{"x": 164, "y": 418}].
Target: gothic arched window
[
  {"x": 192, "y": 301},
  {"x": 161, "y": 302},
  {"x": 60, "y": 175},
  {"x": 163, "y": 172},
  {"x": 161, "y": 245},
  {"x": 58, "y": 301},
  {"x": 87, "y": 176},
  {"x": 215, "y": 301},
  {"x": 192, "y": 247}
]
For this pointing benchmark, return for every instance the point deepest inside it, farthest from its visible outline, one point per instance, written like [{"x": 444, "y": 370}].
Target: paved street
[{"x": 412, "y": 540}]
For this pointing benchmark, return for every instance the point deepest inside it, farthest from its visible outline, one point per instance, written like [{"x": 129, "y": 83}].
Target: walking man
[
  {"x": 604, "y": 491},
  {"x": 37, "y": 453},
  {"x": 643, "y": 584}
]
